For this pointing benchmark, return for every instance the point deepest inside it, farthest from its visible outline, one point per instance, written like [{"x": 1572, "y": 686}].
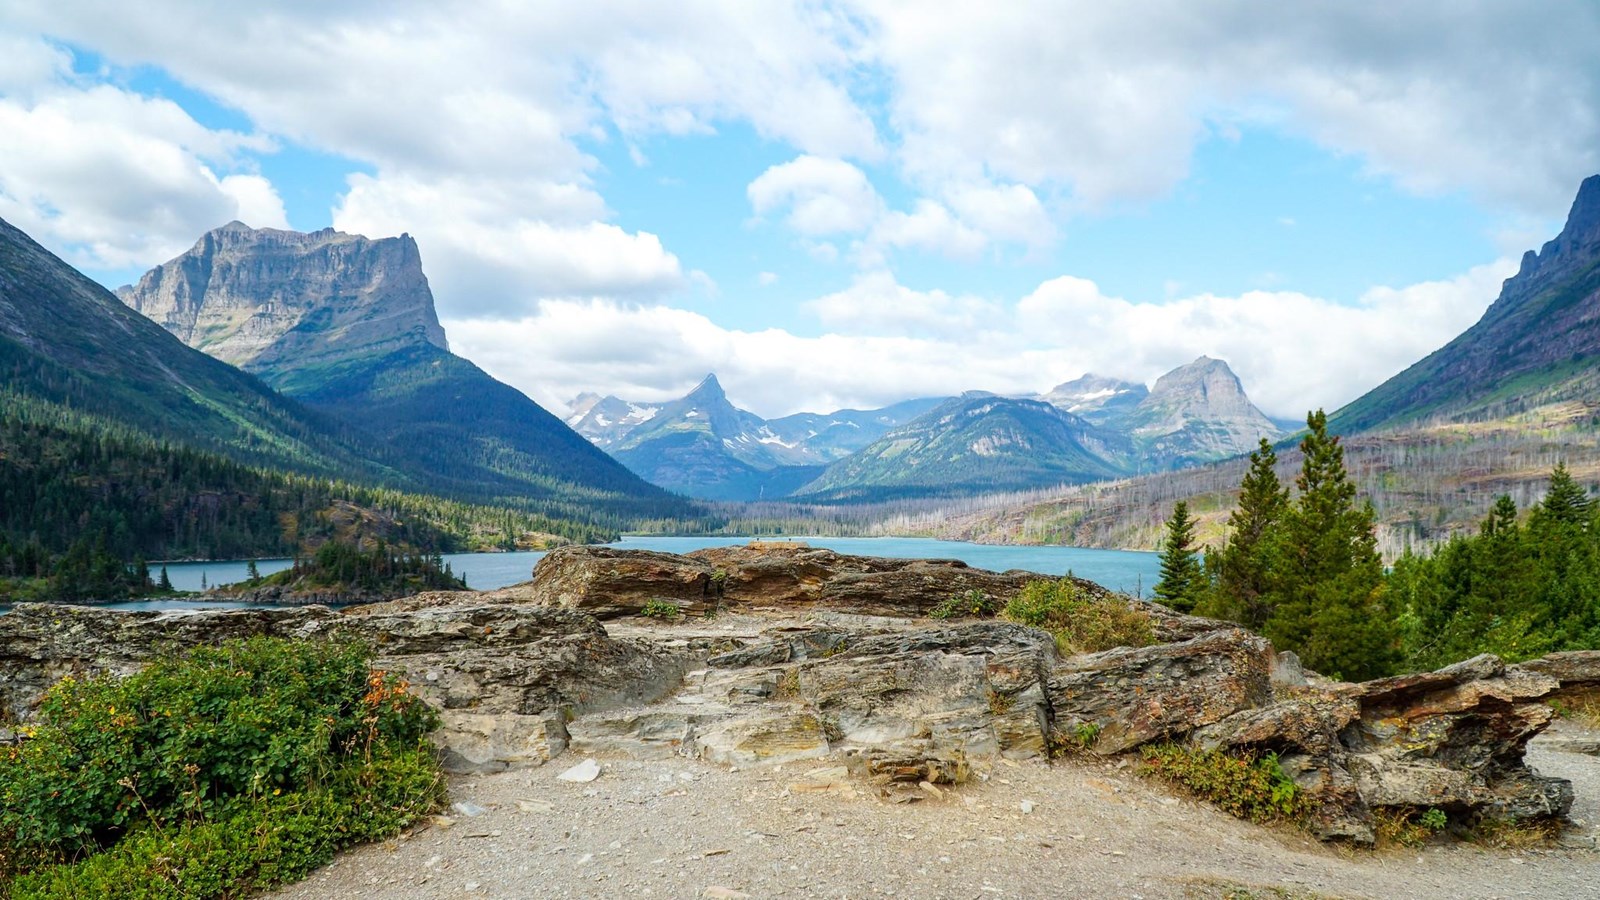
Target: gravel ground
[{"x": 681, "y": 828}]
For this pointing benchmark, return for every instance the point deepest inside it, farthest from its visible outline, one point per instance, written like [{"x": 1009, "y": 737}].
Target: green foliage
[
  {"x": 660, "y": 609},
  {"x": 1248, "y": 785},
  {"x": 346, "y": 568},
  {"x": 1086, "y": 733},
  {"x": 1433, "y": 819},
  {"x": 1327, "y": 589},
  {"x": 973, "y": 603},
  {"x": 1182, "y": 581},
  {"x": 1082, "y": 621},
  {"x": 150, "y": 782},
  {"x": 1515, "y": 589},
  {"x": 1242, "y": 570}
]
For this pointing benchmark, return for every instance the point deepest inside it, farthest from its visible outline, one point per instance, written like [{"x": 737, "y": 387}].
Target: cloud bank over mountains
[{"x": 963, "y": 134}]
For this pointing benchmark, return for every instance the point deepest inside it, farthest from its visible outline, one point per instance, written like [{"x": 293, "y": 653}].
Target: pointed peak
[
  {"x": 1584, "y": 217},
  {"x": 709, "y": 389}
]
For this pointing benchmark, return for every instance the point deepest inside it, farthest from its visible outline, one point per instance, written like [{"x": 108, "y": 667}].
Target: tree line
[
  {"x": 1302, "y": 568},
  {"x": 83, "y": 500}
]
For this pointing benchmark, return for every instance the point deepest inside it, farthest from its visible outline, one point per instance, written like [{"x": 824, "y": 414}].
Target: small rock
[
  {"x": 724, "y": 893},
  {"x": 930, "y": 788},
  {"x": 1027, "y": 807},
  {"x": 469, "y": 809},
  {"x": 582, "y": 773},
  {"x": 535, "y": 806}
]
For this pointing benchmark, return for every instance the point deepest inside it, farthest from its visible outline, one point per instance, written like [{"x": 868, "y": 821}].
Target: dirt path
[{"x": 680, "y": 828}]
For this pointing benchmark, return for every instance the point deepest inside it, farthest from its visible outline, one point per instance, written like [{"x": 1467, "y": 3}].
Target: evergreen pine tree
[
  {"x": 165, "y": 584},
  {"x": 1565, "y": 502},
  {"x": 1182, "y": 581},
  {"x": 1244, "y": 566},
  {"x": 1328, "y": 602}
]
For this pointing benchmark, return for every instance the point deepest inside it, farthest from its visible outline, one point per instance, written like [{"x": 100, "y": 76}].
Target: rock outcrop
[
  {"x": 259, "y": 297},
  {"x": 815, "y": 655}
]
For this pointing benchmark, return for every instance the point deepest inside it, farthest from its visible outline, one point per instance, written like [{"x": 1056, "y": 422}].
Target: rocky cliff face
[
  {"x": 265, "y": 300},
  {"x": 1198, "y": 412},
  {"x": 814, "y": 655}
]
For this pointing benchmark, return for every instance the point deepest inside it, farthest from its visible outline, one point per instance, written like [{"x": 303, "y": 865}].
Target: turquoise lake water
[{"x": 1121, "y": 570}]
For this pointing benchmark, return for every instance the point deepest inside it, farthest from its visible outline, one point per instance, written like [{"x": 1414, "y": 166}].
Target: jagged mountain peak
[{"x": 708, "y": 390}]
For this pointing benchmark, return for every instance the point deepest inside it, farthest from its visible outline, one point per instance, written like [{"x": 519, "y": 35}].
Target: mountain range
[
  {"x": 1089, "y": 429},
  {"x": 346, "y": 325}
]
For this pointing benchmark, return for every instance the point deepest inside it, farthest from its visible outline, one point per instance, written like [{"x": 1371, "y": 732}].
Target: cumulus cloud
[
  {"x": 820, "y": 198},
  {"x": 885, "y": 342},
  {"x": 491, "y": 255},
  {"x": 817, "y": 196},
  {"x": 875, "y": 303},
  {"x": 1108, "y": 100},
  {"x": 112, "y": 179}
]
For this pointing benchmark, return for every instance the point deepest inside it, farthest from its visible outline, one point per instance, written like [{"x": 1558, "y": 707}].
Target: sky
[{"x": 836, "y": 204}]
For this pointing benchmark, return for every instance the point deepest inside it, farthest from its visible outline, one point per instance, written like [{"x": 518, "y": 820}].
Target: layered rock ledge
[{"x": 783, "y": 653}]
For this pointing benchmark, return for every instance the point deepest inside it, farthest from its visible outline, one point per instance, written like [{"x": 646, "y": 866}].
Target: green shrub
[
  {"x": 1082, "y": 622},
  {"x": 660, "y": 609},
  {"x": 971, "y": 603},
  {"x": 1248, "y": 785},
  {"x": 151, "y": 782}
]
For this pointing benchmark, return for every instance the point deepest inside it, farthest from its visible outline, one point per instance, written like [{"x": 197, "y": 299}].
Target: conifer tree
[
  {"x": 1244, "y": 566},
  {"x": 1182, "y": 580},
  {"x": 165, "y": 584},
  {"x": 1328, "y": 600},
  {"x": 1565, "y": 502}
]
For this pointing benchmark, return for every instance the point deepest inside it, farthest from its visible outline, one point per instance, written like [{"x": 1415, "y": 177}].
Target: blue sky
[{"x": 839, "y": 203}]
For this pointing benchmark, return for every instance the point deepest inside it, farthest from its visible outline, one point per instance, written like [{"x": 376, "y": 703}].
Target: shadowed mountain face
[
  {"x": 1539, "y": 343},
  {"x": 347, "y": 324},
  {"x": 65, "y": 339}
]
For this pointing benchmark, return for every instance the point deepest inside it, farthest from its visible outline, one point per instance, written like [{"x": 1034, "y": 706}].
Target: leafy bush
[
  {"x": 660, "y": 609},
  {"x": 201, "y": 776},
  {"x": 1082, "y": 622},
  {"x": 970, "y": 603},
  {"x": 1248, "y": 785}
]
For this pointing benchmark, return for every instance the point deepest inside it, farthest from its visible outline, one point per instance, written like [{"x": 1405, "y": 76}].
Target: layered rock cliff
[{"x": 271, "y": 301}]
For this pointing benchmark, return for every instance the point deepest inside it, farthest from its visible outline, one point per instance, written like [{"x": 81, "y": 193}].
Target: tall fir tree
[
  {"x": 1565, "y": 501},
  {"x": 1328, "y": 601},
  {"x": 1182, "y": 580},
  {"x": 1243, "y": 568}
]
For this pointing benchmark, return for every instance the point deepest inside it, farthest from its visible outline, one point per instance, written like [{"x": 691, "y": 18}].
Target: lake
[{"x": 1123, "y": 570}]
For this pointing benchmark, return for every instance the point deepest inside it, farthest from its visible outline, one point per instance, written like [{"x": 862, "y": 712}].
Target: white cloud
[
  {"x": 1108, "y": 100},
  {"x": 767, "y": 279},
  {"x": 817, "y": 196},
  {"x": 1292, "y": 352},
  {"x": 111, "y": 179},
  {"x": 886, "y": 342},
  {"x": 491, "y": 257},
  {"x": 875, "y": 303},
  {"x": 929, "y": 226}
]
